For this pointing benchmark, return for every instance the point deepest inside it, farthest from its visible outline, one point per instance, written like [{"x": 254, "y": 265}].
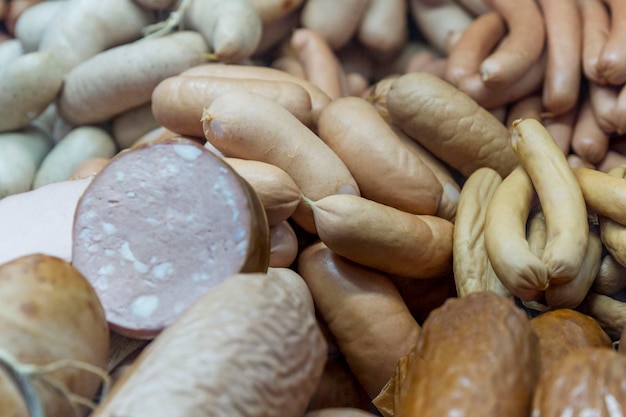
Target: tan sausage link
[
  {"x": 521, "y": 272},
  {"x": 471, "y": 266}
]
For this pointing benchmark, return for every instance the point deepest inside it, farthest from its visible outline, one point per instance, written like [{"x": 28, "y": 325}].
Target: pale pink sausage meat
[{"x": 161, "y": 225}]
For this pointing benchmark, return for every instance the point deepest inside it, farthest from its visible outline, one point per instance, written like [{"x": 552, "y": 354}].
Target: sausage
[
  {"x": 80, "y": 144},
  {"x": 493, "y": 97},
  {"x": 439, "y": 23},
  {"x": 563, "y": 331},
  {"x": 177, "y": 102},
  {"x": 383, "y": 28},
  {"x": 335, "y": 22},
  {"x": 604, "y": 100},
  {"x": 612, "y": 159},
  {"x": 603, "y": 193},
  {"x": 529, "y": 107},
  {"x": 611, "y": 65},
  {"x": 272, "y": 10},
  {"x": 232, "y": 28},
  {"x": 283, "y": 245},
  {"x": 561, "y": 128},
  {"x": 570, "y": 295},
  {"x": 383, "y": 237},
  {"x": 614, "y": 238},
  {"x": 21, "y": 153},
  {"x": 321, "y": 66},
  {"x": 319, "y": 99},
  {"x": 129, "y": 126},
  {"x": 536, "y": 233},
  {"x": 523, "y": 46},
  {"x": 134, "y": 233},
  {"x": 620, "y": 107},
  {"x": 274, "y": 33},
  {"x": 363, "y": 310},
  {"x": 609, "y": 312},
  {"x": 388, "y": 173},
  {"x": 587, "y": 381},
  {"x": 451, "y": 189},
  {"x": 589, "y": 141},
  {"x": 421, "y": 104},
  {"x": 471, "y": 266},
  {"x": 474, "y": 45},
  {"x": 89, "y": 167},
  {"x": 488, "y": 377},
  {"x": 595, "y": 21},
  {"x": 117, "y": 80},
  {"x": 262, "y": 323},
  {"x": 278, "y": 193},
  {"x": 289, "y": 64},
  {"x": 31, "y": 25},
  {"x": 288, "y": 144},
  {"x": 560, "y": 197},
  {"x": 91, "y": 28},
  {"x": 49, "y": 231},
  {"x": 563, "y": 49},
  {"x": 519, "y": 270},
  {"x": 30, "y": 83},
  {"x": 611, "y": 277},
  {"x": 43, "y": 297}
]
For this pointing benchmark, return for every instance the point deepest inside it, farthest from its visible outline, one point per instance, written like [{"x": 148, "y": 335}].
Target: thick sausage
[
  {"x": 388, "y": 172},
  {"x": 589, "y": 140},
  {"x": 321, "y": 65},
  {"x": 521, "y": 272},
  {"x": 383, "y": 237},
  {"x": 139, "y": 231},
  {"x": 563, "y": 49},
  {"x": 268, "y": 132},
  {"x": 123, "y": 77},
  {"x": 364, "y": 311},
  {"x": 177, "y": 102},
  {"x": 250, "y": 347},
  {"x": 471, "y": 265},
  {"x": 319, "y": 99},
  {"x": 276, "y": 190},
  {"x": 450, "y": 124}
]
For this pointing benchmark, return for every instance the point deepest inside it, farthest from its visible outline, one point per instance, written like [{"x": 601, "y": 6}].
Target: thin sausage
[
  {"x": 521, "y": 272},
  {"x": 474, "y": 45},
  {"x": 383, "y": 237},
  {"x": 563, "y": 49},
  {"x": 321, "y": 66},
  {"x": 595, "y": 22},
  {"x": 589, "y": 140},
  {"x": 611, "y": 65},
  {"x": 523, "y": 46}
]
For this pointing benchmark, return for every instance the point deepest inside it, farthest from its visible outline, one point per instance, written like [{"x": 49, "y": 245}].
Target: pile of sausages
[{"x": 270, "y": 204}]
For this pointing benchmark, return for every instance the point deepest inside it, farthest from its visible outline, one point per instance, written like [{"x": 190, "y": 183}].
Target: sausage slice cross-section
[{"x": 161, "y": 225}]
